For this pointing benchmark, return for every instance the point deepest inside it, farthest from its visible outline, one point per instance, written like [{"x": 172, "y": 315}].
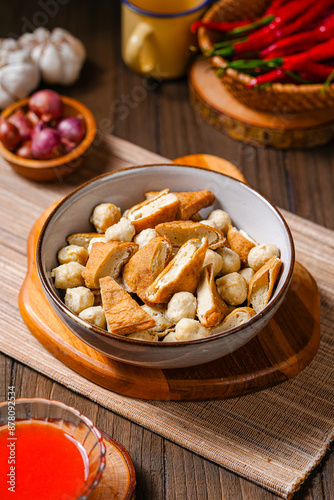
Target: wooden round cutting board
[
  {"x": 118, "y": 480},
  {"x": 283, "y": 349},
  {"x": 280, "y": 130}
]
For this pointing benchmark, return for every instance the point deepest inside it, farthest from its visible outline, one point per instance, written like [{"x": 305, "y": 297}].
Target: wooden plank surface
[{"x": 160, "y": 118}]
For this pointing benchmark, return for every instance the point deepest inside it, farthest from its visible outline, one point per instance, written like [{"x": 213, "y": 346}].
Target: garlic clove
[
  {"x": 19, "y": 56},
  {"x": 70, "y": 73},
  {"x": 31, "y": 40},
  {"x": 49, "y": 63},
  {"x": 59, "y": 35},
  {"x": 18, "y": 80},
  {"x": 8, "y": 44},
  {"x": 5, "y": 98}
]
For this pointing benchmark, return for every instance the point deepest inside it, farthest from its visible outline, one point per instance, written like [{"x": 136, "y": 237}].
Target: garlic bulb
[
  {"x": 58, "y": 54},
  {"x": 8, "y": 45},
  {"x": 18, "y": 75}
]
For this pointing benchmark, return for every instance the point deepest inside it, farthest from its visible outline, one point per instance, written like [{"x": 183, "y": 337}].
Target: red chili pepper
[
  {"x": 309, "y": 76},
  {"x": 272, "y": 76},
  {"x": 302, "y": 61},
  {"x": 300, "y": 41},
  {"x": 276, "y": 4},
  {"x": 280, "y": 27},
  {"x": 218, "y": 26},
  {"x": 314, "y": 70},
  {"x": 311, "y": 14},
  {"x": 321, "y": 71},
  {"x": 322, "y": 51}
]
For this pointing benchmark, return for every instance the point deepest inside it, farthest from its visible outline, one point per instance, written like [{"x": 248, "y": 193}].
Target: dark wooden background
[{"x": 159, "y": 117}]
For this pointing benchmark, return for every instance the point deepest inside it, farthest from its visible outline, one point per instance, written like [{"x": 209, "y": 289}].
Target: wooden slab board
[
  {"x": 280, "y": 130},
  {"x": 283, "y": 349},
  {"x": 118, "y": 480}
]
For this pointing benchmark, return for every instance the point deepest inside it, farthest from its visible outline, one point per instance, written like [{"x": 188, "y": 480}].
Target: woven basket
[{"x": 279, "y": 97}]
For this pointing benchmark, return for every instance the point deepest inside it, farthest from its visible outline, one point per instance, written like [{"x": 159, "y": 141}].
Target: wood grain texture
[
  {"x": 283, "y": 349},
  {"x": 164, "y": 122},
  {"x": 118, "y": 480},
  {"x": 261, "y": 128}
]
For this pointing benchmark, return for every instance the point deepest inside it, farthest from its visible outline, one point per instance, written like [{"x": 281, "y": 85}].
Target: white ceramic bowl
[{"x": 249, "y": 211}]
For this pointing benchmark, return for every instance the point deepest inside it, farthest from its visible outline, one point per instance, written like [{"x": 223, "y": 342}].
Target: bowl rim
[
  {"x": 98, "y": 434},
  {"x": 123, "y": 338},
  {"x": 288, "y": 88},
  {"x": 59, "y": 160}
]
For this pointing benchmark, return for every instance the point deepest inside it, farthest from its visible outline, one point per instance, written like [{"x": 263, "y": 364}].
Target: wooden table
[{"x": 159, "y": 117}]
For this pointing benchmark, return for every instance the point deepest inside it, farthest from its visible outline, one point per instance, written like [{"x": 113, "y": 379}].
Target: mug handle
[{"x": 134, "y": 46}]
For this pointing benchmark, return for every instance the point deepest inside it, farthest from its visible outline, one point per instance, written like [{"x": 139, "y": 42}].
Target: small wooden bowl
[
  {"x": 282, "y": 98},
  {"x": 62, "y": 166}
]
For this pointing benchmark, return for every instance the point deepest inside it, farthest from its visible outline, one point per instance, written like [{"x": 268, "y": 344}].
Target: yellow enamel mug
[{"x": 156, "y": 35}]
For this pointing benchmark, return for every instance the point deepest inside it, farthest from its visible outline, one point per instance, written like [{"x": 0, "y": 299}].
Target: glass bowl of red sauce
[{"x": 48, "y": 451}]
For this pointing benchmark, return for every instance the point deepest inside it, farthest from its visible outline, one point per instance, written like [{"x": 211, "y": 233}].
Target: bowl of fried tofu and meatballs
[{"x": 165, "y": 266}]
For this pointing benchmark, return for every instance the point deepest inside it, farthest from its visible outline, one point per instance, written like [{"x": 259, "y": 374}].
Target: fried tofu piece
[
  {"x": 82, "y": 239},
  {"x": 211, "y": 309},
  {"x": 240, "y": 244},
  {"x": 123, "y": 314},
  {"x": 142, "y": 269},
  {"x": 106, "y": 259},
  {"x": 196, "y": 217},
  {"x": 162, "y": 208},
  {"x": 178, "y": 232},
  {"x": 181, "y": 274},
  {"x": 190, "y": 202},
  {"x": 237, "y": 317},
  {"x": 193, "y": 201},
  {"x": 262, "y": 284}
]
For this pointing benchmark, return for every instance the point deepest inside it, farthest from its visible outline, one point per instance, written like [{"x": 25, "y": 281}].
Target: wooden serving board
[
  {"x": 283, "y": 349},
  {"x": 280, "y": 130},
  {"x": 118, "y": 480}
]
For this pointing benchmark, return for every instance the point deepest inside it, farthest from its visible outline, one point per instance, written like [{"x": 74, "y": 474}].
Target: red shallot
[
  {"x": 71, "y": 130},
  {"x": 46, "y": 104},
  {"x": 46, "y": 144},
  {"x": 23, "y": 124},
  {"x": 9, "y": 134},
  {"x": 24, "y": 151}
]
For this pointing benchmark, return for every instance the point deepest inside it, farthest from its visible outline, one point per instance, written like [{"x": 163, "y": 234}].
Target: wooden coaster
[
  {"x": 211, "y": 162},
  {"x": 118, "y": 479},
  {"x": 280, "y": 130},
  {"x": 283, "y": 349}
]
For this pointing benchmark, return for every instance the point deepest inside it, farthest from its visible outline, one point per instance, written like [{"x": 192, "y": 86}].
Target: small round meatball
[
  {"x": 95, "y": 316},
  {"x": 182, "y": 305},
  {"x": 98, "y": 239},
  {"x": 68, "y": 275},
  {"x": 104, "y": 216},
  {"x": 247, "y": 273},
  {"x": 73, "y": 253},
  {"x": 145, "y": 237},
  {"x": 143, "y": 335},
  {"x": 231, "y": 260},
  {"x": 215, "y": 259},
  {"x": 221, "y": 219},
  {"x": 189, "y": 329},
  {"x": 232, "y": 288},
  {"x": 260, "y": 254},
  {"x": 122, "y": 231},
  {"x": 79, "y": 298},
  {"x": 170, "y": 337},
  {"x": 161, "y": 321}
]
